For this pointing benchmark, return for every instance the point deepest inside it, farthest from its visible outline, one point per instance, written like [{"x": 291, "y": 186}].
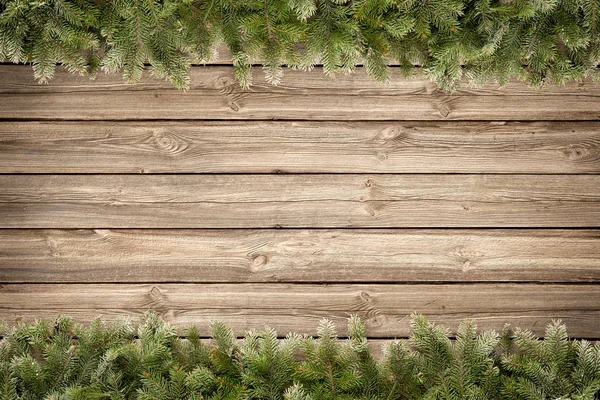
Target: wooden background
[{"x": 283, "y": 205}]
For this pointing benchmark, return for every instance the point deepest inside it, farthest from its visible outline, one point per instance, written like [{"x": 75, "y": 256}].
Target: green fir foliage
[
  {"x": 480, "y": 40},
  {"x": 67, "y": 361}
]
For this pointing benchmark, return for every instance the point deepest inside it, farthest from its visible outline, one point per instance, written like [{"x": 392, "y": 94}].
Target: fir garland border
[
  {"x": 482, "y": 40},
  {"x": 100, "y": 361}
]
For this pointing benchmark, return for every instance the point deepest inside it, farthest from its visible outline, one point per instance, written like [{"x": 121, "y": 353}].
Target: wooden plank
[
  {"x": 288, "y": 307},
  {"x": 299, "y": 147},
  {"x": 137, "y": 256},
  {"x": 214, "y": 94},
  {"x": 327, "y": 201}
]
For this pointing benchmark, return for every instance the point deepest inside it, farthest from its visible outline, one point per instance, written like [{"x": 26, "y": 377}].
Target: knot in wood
[
  {"x": 466, "y": 257},
  {"x": 52, "y": 247},
  {"x": 390, "y": 133},
  {"x": 443, "y": 107},
  {"x": 444, "y": 110},
  {"x": 155, "y": 293},
  {"x": 224, "y": 82},
  {"x": 466, "y": 266},
  {"x": 371, "y": 211},
  {"x": 164, "y": 142},
  {"x": 258, "y": 263},
  {"x": 156, "y": 301},
  {"x": 575, "y": 152},
  {"x": 365, "y": 296},
  {"x": 377, "y": 320},
  {"x": 170, "y": 144}
]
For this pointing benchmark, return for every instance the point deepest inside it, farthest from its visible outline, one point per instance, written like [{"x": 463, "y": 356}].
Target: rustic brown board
[
  {"x": 288, "y": 307},
  {"x": 263, "y": 201},
  {"x": 137, "y": 256},
  {"x": 214, "y": 94},
  {"x": 299, "y": 147}
]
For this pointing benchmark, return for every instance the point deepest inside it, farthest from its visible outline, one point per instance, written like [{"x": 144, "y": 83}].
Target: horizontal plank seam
[
  {"x": 333, "y": 120},
  {"x": 258, "y": 120},
  {"x": 327, "y": 227},
  {"x": 306, "y": 201},
  {"x": 300, "y": 173},
  {"x": 498, "y": 121},
  {"x": 316, "y": 228},
  {"x": 311, "y": 283},
  {"x": 316, "y": 120},
  {"x": 290, "y": 173},
  {"x": 340, "y": 283}
]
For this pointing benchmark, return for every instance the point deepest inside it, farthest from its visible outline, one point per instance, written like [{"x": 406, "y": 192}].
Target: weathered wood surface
[
  {"x": 214, "y": 94},
  {"x": 263, "y": 201},
  {"x": 283, "y": 255},
  {"x": 370, "y": 156},
  {"x": 300, "y": 147},
  {"x": 287, "y": 307}
]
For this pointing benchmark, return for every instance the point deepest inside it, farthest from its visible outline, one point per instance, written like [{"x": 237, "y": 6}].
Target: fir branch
[
  {"x": 46, "y": 361},
  {"x": 482, "y": 40}
]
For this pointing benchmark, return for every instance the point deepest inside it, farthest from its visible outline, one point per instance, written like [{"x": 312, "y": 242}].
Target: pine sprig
[
  {"x": 538, "y": 41},
  {"x": 66, "y": 361}
]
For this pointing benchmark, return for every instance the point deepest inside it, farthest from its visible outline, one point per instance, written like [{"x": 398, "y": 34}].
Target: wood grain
[
  {"x": 287, "y": 307},
  {"x": 136, "y": 256},
  {"x": 214, "y": 94},
  {"x": 300, "y": 147},
  {"x": 369, "y": 155},
  {"x": 327, "y": 201}
]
